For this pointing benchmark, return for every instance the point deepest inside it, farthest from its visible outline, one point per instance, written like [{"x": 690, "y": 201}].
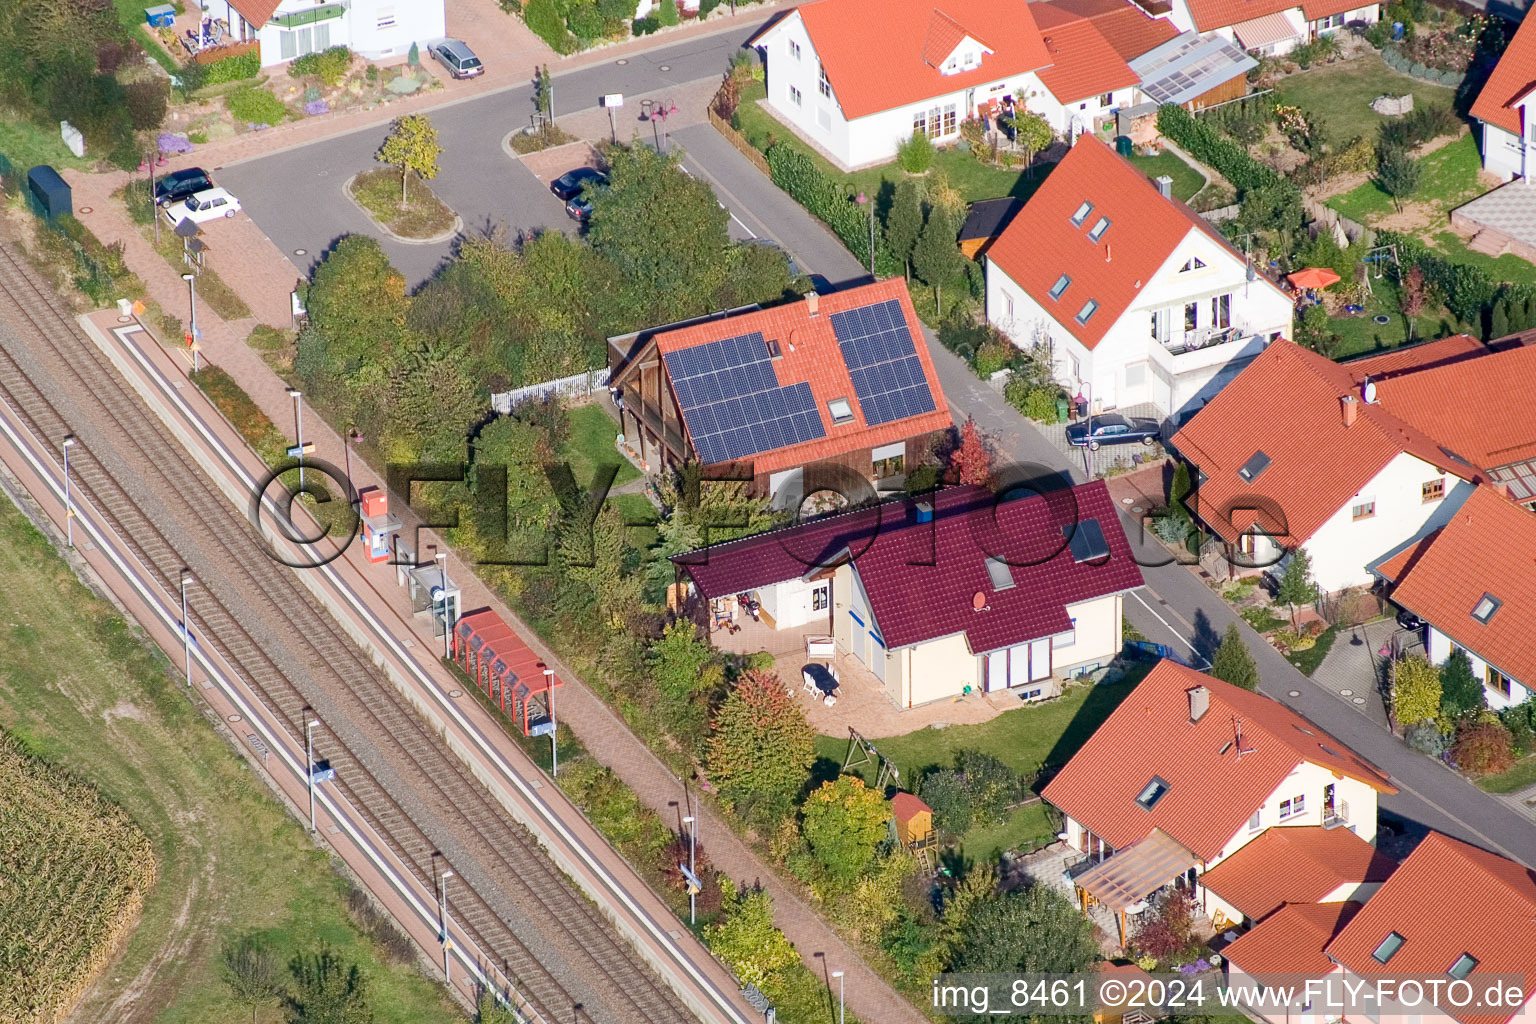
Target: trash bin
[
  {"x": 1082, "y": 406},
  {"x": 1062, "y": 407},
  {"x": 1123, "y": 145}
]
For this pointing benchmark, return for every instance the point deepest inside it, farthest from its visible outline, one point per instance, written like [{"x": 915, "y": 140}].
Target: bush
[
  {"x": 1034, "y": 401},
  {"x": 992, "y": 786},
  {"x": 991, "y": 357},
  {"x": 945, "y": 792},
  {"x": 1270, "y": 202},
  {"x": 1426, "y": 738},
  {"x": 585, "y": 20},
  {"x": 329, "y": 65},
  {"x": 254, "y": 105},
  {"x": 666, "y": 13},
  {"x": 228, "y": 69},
  {"x": 146, "y": 102},
  {"x": 1483, "y": 747},
  {"x": 1167, "y": 929},
  {"x": 915, "y": 154},
  {"x": 1520, "y": 720},
  {"x": 644, "y": 26},
  {"x": 543, "y": 17},
  {"x": 267, "y": 339}
]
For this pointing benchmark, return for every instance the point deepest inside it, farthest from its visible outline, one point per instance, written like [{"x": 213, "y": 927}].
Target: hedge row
[
  {"x": 1398, "y": 62},
  {"x": 1207, "y": 143},
  {"x": 233, "y": 69},
  {"x": 798, "y": 175},
  {"x": 1468, "y": 290}
]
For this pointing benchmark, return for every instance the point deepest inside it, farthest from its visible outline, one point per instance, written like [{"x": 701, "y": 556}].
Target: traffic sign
[
  {"x": 694, "y": 885},
  {"x": 543, "y": 728},
  {"x": 294, "y": 451},
  {"x": 613, "y": 99}
]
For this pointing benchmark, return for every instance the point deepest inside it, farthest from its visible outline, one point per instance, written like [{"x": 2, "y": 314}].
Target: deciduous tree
[
  {"x": 761, "y": 747},
  {"x": 685, "y": 671},
  {"x": 844, "y": 821},
  {"x": 250, "y": 970},
  {"x": 1397, "y": 172},
  {"x": 746, "y": 938},
  {"x": 1296, "y": 583},
  {"x": 1415, "y": 691},
  {"x": 1060, "y": 938},
  {"x": 971, "y": 463},
  {"x": 412, "y": 146},
  {"x": 1233, "y": 662}
]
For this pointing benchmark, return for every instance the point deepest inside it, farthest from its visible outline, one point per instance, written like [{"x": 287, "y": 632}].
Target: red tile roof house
[
  {"x": 839, "y": 382},
  {"x": 1451, "y": 912},
  {"x": 1270, "y": 28},
  {"x": 949, "y": 594},
  {"x": 1189, "y": 770},
  {"x": 1506, "y": 109},
  {"x": 1473, "y": 582},
  {"x": 1356, "y": 461},
  {"x": 855, "y": 78},
  {"x": 1140, "y": 298},
  {"x": 375, "y": 29}
]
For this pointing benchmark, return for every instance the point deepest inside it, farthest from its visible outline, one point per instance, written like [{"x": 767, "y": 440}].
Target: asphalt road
[{"x": 296, "y": 198}]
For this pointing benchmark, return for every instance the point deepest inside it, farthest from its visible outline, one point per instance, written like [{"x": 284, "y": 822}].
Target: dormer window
[
  {"x": 1154, "y": 791},
  {"x": 1485, "y": 608},
  {"x": 1086, "y": 313},
  {"x": 1060, "y": 286},
  {"x": 1082, "y": 214},
  {"x": 1099, "y": 229},
  {"x": 1388, "y": 948},
  {"x": 840, "y": 410}
]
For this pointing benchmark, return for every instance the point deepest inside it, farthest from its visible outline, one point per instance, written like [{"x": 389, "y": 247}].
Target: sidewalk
[{"x": 597, "y": 726}]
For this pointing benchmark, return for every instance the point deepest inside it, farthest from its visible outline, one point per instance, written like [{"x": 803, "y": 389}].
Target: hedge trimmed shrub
[
  {"x": 915, "y": 153},
  {"x": 1468, "y": 289},
  {"x": 254, "y": 105},
  {"x": 330, "y": 65},
  {"x": 233, "y": 69},
  {"x": 798, "y": 175},
  {"x": 543, "y": 17},
  {"x": 645, "y": 26},
  {"x": 1275, "y": 201}
]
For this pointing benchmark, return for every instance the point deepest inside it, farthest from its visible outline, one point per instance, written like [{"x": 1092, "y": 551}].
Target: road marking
[{"x": 1196, "y": 654}]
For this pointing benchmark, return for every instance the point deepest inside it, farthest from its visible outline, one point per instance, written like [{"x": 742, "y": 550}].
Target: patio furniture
[{"x": 829, "y": 700}]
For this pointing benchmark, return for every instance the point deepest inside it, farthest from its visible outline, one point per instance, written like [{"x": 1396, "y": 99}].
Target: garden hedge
[
  {"x": 233, "y": 69},
  {"x": 1468, "y": 289},
  {"x": 798, "y": 175}
]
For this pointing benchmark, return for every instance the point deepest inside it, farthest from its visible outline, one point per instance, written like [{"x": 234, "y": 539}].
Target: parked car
[
  {"x": 1407, "y": 620},
  {"x": 579, "y": 208},
  {"x": 1112, "y": 428},
  {"x": 209, "y": 204},
  {"x": 178, "y": 185},
  {"x": 569, "y": 185},
  {"x": 458, "y": 58}
]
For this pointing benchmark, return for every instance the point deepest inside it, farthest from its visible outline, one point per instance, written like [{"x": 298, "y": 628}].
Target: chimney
[
  {"x": 1351, "y": 407},
  {"x": 1164, "y": 186},
  {"x": 1199, "y": 702},
  {"x": 812, "y": 304}
]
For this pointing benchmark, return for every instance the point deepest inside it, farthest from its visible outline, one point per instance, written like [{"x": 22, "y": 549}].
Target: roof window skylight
[
  {"x": 1462, "y": 967},
  {"x": 1086, "y": 313},
  {"x": 1389, "y": 946},
  {"x": 1485, "y": 608},
  {"x": 1097, "y": 232},
  {"x": 1154, "y": 791},
  {"x": 1082, "y": 214},
  {"x": 1253, "y": 467},
  {"x": 840, "y": 410},
  {"x": 1060, "y": 286}
]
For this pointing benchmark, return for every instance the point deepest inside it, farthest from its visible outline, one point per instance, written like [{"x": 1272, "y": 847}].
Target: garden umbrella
[{"x": 1313, "y": 277}]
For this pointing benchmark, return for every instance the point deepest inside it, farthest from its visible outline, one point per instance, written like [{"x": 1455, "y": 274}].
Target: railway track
[{"x": 540, "y": 931}]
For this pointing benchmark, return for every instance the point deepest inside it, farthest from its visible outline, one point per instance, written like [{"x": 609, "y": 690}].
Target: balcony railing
[
  {"x": 1338, "y": 817},
  {"x": 1191, "y": 341}
]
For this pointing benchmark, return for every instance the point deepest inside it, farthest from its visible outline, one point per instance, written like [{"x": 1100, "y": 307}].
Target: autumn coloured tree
[
  {"x": 1415, "y": 690},
  {"x": 971, "y": 462},
  {"x": 761, "y": 747},
  {"x": 844, "y": 821}
]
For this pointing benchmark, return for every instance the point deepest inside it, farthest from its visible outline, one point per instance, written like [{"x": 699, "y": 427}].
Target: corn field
[{"x": 73, "y": 874}]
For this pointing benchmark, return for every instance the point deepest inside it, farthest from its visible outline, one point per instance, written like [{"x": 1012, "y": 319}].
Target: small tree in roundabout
[{"x": 412, "y": 146}]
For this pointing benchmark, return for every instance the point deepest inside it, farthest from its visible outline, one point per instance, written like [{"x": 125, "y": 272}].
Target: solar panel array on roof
[
  {"x": 733, "y": 402},
  {"x": 882, "y": 361}
]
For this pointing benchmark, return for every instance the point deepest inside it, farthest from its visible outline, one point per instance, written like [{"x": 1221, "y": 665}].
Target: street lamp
[
  {"x": 186, "y": 627},
  {"x": 864, "y": 200},
  {"x": 309, "y": 762},
  {"x": 693, "y": 842},
  {"x": 839, "y": 976},
  {"x": 443, "y": 908},
  {"x": 191, "y": 280},
  {"x": 352, "y": 437},
  {"x": 442, "y": 565},
  {"x": 298, "y": 429},
  {"x": 69, "y": 501},
  {"x": 554, "y": 749}
]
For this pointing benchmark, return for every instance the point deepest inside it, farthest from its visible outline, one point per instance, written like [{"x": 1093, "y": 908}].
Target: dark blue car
[{"x": 1112, "y": 428}]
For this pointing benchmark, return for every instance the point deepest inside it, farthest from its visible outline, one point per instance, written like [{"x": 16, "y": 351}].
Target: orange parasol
[{"x": 1313, "y": 277}]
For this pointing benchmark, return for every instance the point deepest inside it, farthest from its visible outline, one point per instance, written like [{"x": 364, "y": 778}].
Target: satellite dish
[
  {"x": 438, "y": 593},
  {"x": 1369, "y": 392},
  {"x": 979, "y": 601}
]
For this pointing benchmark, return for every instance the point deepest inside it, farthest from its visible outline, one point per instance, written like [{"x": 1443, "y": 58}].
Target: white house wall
[
  {"x": 1502, "y": 152},
  {"x": 790, "y": 604},
  {"x": 382, "y": 29},
  {"x": 1343, "y": 546},
  {"x": 1095, "y": 639},
  {"x": 1440, "y": 647}
]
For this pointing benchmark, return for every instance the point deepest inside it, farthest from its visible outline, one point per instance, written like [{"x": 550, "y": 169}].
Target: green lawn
[
  {"x": 1027, "y": 827},
  {"x": 80, "y": 688},
  {"x": 591, "y": 444},
  {"x": 26, "y": 145},
  {"x": 1447, "y": 178},
  {"x": 1360, "y": 335},
  {"x": 1340, "y": 94},
  {"x": 973, "y": 179},
  {"x": 1523, "y": 774},
  {"x": 1186, "y": 180},
  {"x": 1308, "y": 660},
  {"x": 1505, "y": 268}
]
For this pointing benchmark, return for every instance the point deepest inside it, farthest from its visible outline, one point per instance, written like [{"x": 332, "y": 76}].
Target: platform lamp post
[
  {"x": 353, "y": 436},
  {"x": 442, "y": 565},
  {"x": 443, "y": 909},
  {"x": 555, "y": 749},
  {"x": 309, "y": 763},
  {"x": 191, "y": 280},
  {"x": 839, "y": 976},
  {"x": 866, "y": 200},
  {"x": 693, "y": 844},
  {"x": 298, "y": 429},
  {"x": 69, "y": 500},
  {"x": 186, "y": 627}
]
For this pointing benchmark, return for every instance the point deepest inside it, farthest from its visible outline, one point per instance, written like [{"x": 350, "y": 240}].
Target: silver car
[{"x": 458, "y": 58}]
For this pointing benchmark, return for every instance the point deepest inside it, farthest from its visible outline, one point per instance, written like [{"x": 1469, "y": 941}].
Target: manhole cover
[
  {"x": 234, "y": 718},
  {"x": 1381, "y": 319},
  {"x": 1127, "y": 501},
  {"x": 1346, "y": 693},
  {"x": 1293, "y": 693},
  {"x": 301, "y": 252},
  {"x": 664, "y": 67},
  {"x": 622, "y": 61},
  {"x": 455, "y": 693},
  {"x": 1359, "y": 700},
  {"x": 85, "y": 209},
  {"x": 125, "y": 319},
  {"x": 1137, "y": 509}
]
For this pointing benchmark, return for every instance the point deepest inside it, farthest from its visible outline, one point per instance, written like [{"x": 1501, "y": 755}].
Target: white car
[{"x": 206, "y": 205}]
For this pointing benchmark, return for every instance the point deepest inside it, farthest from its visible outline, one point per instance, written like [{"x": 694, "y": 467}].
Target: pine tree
[
  {"x": 1178, "y": 490},
  {"x": 937, "y": 258},
  {"x": 1498, "y": 319},
  {"x": 1233, "y": 662},
  {"x": 971, "y": 463},
  {"x": 904, "y": 222},
  {"x": 1296, "y": 583}
]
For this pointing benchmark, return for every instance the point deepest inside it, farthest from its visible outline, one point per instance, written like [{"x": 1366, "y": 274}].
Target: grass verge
[
  {"x": 522, "y": 143},
  {"x": 1521, "y": 776},
  {"x": 1186, "y": 180},
  {"x": 80, "y": 688},
  {"x": 1308, "y": 660},
  {"x": 421, "y": 215},
  {"x": 591, "y": 444}
]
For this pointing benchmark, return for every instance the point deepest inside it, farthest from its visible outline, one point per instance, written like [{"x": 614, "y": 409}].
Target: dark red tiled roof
[
  {"x": 1448, "y": 898},
  {"x": 1212, "y": 791},
  {"x": 922, "y": 577}
]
